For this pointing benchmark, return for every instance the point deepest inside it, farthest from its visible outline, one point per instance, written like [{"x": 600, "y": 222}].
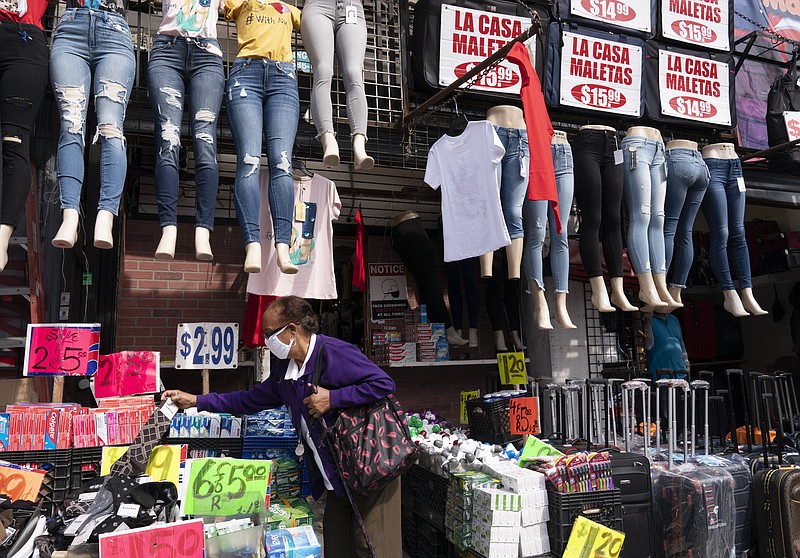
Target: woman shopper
[{"x": 347, "y": 379}]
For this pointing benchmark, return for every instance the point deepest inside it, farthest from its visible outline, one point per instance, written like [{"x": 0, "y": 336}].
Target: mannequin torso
[
  {"x": 506, "y": 116},
  {"x": 559, "y": 137},
  {"x": 597, "y": 127},
  {"x": 720, "y": 151},
  {"x": 404, "y": 216},
  {"x": 682, "y": 144},
  {"x": 644, "y": 132}
]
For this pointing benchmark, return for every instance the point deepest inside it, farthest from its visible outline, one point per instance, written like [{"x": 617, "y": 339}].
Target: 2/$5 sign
[{"x": 468, "y": 36}]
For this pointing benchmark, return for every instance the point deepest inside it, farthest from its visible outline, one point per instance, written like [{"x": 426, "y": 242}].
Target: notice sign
[
  {"x": 62, "y": 349},
  {"x": 523, "y": 415},
  {"x": 468, "y": 36},
  {"x": 630, "y": 14},
  {"x": 387, "y": 291},
  {"x": 183, "y": 539},
  {"x": 697, "y": 22},
  {"x": 597, "y": 74},
  {"x": 792, "y": 120},
  {"x": 694, "y": 88}
]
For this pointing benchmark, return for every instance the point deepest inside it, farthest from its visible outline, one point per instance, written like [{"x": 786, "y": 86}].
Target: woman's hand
[
  {"x": 181, "y": 399},
  {"x": 318, "y": 403}
]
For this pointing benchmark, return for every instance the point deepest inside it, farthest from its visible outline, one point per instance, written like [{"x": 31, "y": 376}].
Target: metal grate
[{"x": 615, "y": 342}]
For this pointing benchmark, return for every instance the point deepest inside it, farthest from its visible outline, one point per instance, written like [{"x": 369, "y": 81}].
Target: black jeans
[
  {"x": 411, "y": 241},
  {"x": 598, "y": 191},
  {"x": 502, "y": 293},
  {"x": 466, "y": 271},
  {"x": 23, "y": 81}
]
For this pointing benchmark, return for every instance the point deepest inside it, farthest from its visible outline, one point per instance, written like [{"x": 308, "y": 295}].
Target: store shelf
[
  {"x": 12, "y": 291},
  {"x": 12, "y": 342},
  {"x": 759, "y": 280},
  {"x": 478, "y": 362}
]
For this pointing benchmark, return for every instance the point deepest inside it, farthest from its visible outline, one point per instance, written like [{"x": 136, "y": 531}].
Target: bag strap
[{"x": 319, "y": 363}]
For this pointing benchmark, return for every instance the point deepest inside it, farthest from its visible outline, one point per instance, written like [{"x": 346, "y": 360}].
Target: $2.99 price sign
[
  {"x": 207, "y": 345},
  {"x": 512, "y": 368},
  {"x": 592, "y": 540},
  {"x": 184, "y": 539},
  {"x": 62, "y": 349},
  {"x": 225, "y": 487},
  {"x": 523, "y": 415}
]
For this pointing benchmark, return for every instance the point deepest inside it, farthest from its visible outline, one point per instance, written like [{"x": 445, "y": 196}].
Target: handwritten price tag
[
  {"x": 128, "y": 373},
  {"x": 207, "y": 346},
  {"x": 225, "y": 487},
  {"x": 184, "y": 539},
  {"x": 512, "y": 368},
  {"x": 62, "y": 349},
  {"x": 534, "y": 448},
  {"x": 164, "y": 463},
  {"x": 20, "y": 484},
  {"x": 592, "y": 539},
  {"x": 467, "y": 396},
  {"x": 523, "y": 415}
]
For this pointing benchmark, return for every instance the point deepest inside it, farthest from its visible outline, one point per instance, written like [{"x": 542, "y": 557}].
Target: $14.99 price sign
[
  {"x": 207, "y": 345},
  {"x": 183, "y": 539},
  {"x": 62, "y": 350},
  {"x": 512, "y": 368},
  {"x": 523, "y": 415},
  {"x": 225, "y": 487}
]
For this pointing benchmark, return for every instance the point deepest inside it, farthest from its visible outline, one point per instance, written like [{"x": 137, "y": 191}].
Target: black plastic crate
[
  {"x": 56, "y": 464},
  {"x": 430, "y": 495},
  {"x": 602, "y": 506},
  {"x": 489, "y": 421},
  {"x": 431, "y": 541},
  {"x": 228, "y": 447},
  {"x": 85, "y": 466},
  {"x": 408, "y": 527}
]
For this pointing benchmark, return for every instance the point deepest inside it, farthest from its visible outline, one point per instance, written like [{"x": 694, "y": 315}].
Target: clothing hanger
[
  {"x": 459, "y": 122},
  {"x": 793, "y": 61},
  {"x": 300, "y": 165}
]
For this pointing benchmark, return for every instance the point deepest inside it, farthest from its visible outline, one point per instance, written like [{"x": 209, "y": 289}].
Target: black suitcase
[
  {"x": 730, "y": 344},
  {"x": 427, "y": 38}
]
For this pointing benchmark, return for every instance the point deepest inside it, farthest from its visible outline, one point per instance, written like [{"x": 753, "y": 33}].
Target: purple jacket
[{"x": 350, "y": 376}]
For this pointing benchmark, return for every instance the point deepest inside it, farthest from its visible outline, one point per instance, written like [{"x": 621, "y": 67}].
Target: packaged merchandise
[
  {"x": 295, "y": 542},
  {"x": 283, "y": 514},
  {"x": 5, "y": 424},
  {"x": 272, "y": 422}
]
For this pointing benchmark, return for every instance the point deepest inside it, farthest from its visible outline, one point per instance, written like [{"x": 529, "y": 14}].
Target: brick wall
[{"x": 438, "y": 388}]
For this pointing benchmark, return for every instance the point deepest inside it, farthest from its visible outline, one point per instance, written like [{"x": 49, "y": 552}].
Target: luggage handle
[
  {"x": 629, "y": 411},
  {"x": 748, "y": 427},
  {"x": 699, "y": 385},
  {"x": 773, "y": 395}
]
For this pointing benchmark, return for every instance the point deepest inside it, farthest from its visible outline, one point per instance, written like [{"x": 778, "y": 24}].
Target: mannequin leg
[
  {"x": 473, "y": 337},
  {"x": 103, "y": 230},
  {"x": 67, "y": 234},
  {"x": 514, "y": 256},
  {"x": 588, "y": 194},
  {"x": 600, "y": 295},
  {"x": 562, "y": 315},
  {"x": 5, "y": 236},
  {"x": 648, "y": 293},
  {"x": 166, "y": 247},
  {"x": 454, "y": 294},
  {"x": 330, "y": 149},
  {"x": 715, "y": 210},
  {"x": 500, "y": 341},
  {"x": 513, "y": 191},
  {"x": 252, "y": 260},
  {"x": 675, "y": 292},
  {"x": 618, "y": 297},
  {"x": 750, "y": 304},
  {"x": 541, "y": 312},
  {"x": 660, "y": 279},
  {"x": 733, "y": 304},
  {"x": 202, "y": 244},
  {"x": 486, "y": 264},
  {"x": 638, "y": 197},
  {"x": 362, "y": 161},
  {"x": 495, "y": 293}
]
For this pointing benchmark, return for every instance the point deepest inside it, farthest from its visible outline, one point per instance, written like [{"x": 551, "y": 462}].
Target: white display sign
[
  {"x": 792, "y": 120},
  {"x": 630, "y": 14},
  {"x": 694, "y": 88},
  {"x": 468, "y": 36},
  {"x": 207, "y": 345},
  {"x": 702, "y": 23},
  {"x": 597, "y": 74}
]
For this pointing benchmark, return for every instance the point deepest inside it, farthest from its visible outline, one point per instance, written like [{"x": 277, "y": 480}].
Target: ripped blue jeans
[{"x": 262, "y": 99}]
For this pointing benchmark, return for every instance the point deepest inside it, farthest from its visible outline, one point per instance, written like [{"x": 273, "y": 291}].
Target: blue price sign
[{"x": 206, "y": 345}]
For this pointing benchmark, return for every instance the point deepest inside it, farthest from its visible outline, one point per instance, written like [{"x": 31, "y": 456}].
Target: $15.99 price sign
[
  {"x": 523, "y": 415},
  {"x": 207, "y": 345},
  {"x": 62, "y": 349},
  {"x": 225, "y": 487},
  {"x": 512, "y": 368}
]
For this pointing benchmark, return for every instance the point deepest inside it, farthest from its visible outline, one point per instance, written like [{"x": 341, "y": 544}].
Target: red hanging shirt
[{"x": 32, "y": 11}]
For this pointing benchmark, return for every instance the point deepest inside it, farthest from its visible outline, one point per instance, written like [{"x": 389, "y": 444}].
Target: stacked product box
[
  {"x": 205, "y": 425},
  {"x": 380, "y": 348},
  {"x": 402, "y": 353},
  {"x": 37, "y": 426},
  {"x": 426, "y": 346},
  {"x": 459, "y": 511},
  {"x": 285, "y": 513},
  {"x": 519, "y": 511},
  {"x": 117, "y": 420},
  {"x": 292, "y": 542},
  {"x": 286, "y": 479}
]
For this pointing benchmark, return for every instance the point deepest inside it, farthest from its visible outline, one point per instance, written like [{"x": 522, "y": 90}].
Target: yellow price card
[
  {"x": 592, "y": 540},
  {"x": 512, "y": 368},
  {"x": 467, "y": 396},
  {"x": 164, "y": 462}
]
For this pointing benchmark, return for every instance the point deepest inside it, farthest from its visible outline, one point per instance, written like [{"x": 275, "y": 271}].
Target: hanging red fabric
[
  {"x": 252, "y": 329},
  {"x": 359, "y": 268},
  {"x": 541, "y": 175}
]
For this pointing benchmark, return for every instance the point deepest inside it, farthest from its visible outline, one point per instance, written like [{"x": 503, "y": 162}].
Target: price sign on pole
[
  {"x": 183, "y": 539},
  {"x": 225, "y": 487},
  {"x": 128, "y": 373},
  {"x": 523, "y": 415},
  {"x": 62, "y": 350},
  {"x": 205, "y": 345},
  {"x": 20, "y": 484},
  {"x": 592, "y": 539},
  {"x": 467, "y": 396},
  {"x": 512, "y": 368}
]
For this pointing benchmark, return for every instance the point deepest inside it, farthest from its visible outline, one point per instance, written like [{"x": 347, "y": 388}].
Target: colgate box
[{"x": 5, "y": 426}]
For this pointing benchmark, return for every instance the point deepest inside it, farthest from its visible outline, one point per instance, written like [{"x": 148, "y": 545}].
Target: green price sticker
[
  {"x": 512, "y": 368},
  {"x": 226, "y": 487}
]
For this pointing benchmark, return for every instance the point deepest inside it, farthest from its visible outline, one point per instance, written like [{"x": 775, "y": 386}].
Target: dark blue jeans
[
  {"x": 723, "y": 207},
  {"x": 263, "y": 100},
  {"x": 182, "y": 69}
]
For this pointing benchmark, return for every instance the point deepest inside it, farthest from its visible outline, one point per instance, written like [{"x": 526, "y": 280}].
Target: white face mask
[{"x": 278, "y": 347}]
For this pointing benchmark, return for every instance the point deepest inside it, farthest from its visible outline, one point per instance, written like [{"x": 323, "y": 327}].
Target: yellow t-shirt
[{"x": 264, "y": 28}]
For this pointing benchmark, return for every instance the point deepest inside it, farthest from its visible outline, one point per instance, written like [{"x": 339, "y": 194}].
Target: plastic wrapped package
[
  {"x": 239, "y": 544},
  {"x": 693, "y": 511}
]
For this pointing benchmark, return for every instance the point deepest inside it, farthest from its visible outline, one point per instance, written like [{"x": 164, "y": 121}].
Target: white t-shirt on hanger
[{"x": 465, "y": 167}]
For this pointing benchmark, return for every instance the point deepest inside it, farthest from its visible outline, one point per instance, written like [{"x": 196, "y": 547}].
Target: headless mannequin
[
  {"x": 747, "y": 304},
  {"x": 506, "y": 116},
  {"x": 653, "y": 290},
  {"x": 600, "y": 298},
  {"x": 674, "y": 291},
  {"x": 502, "y": 294},
  {"x": 5, "y": 237}
]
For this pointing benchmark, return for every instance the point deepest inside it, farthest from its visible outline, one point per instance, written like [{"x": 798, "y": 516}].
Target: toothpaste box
[
  {"x": 5, "y": 426},
  {"x": 51, "y": 431},
  {"x": 533, "y": 540},
  {"x": 402, "y": 353}
]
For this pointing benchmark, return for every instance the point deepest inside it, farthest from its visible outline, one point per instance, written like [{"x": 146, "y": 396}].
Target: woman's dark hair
[{"x": 297, "y": 311}]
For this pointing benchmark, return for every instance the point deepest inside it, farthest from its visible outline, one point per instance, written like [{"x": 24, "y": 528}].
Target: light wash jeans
[
  {"x": 687, "y": 180},
  {"x": 92, "y": 50},
  {"x": 262, "y": 100},
  {"x": 645, "y": 180},
  {"x": 538, "y": 212},
  {"x": 323, "y": 27},
  {"x": 512, "y": 176},
  {"x": 182, "y": 71},
  {"x": 723, "y": 208}
]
